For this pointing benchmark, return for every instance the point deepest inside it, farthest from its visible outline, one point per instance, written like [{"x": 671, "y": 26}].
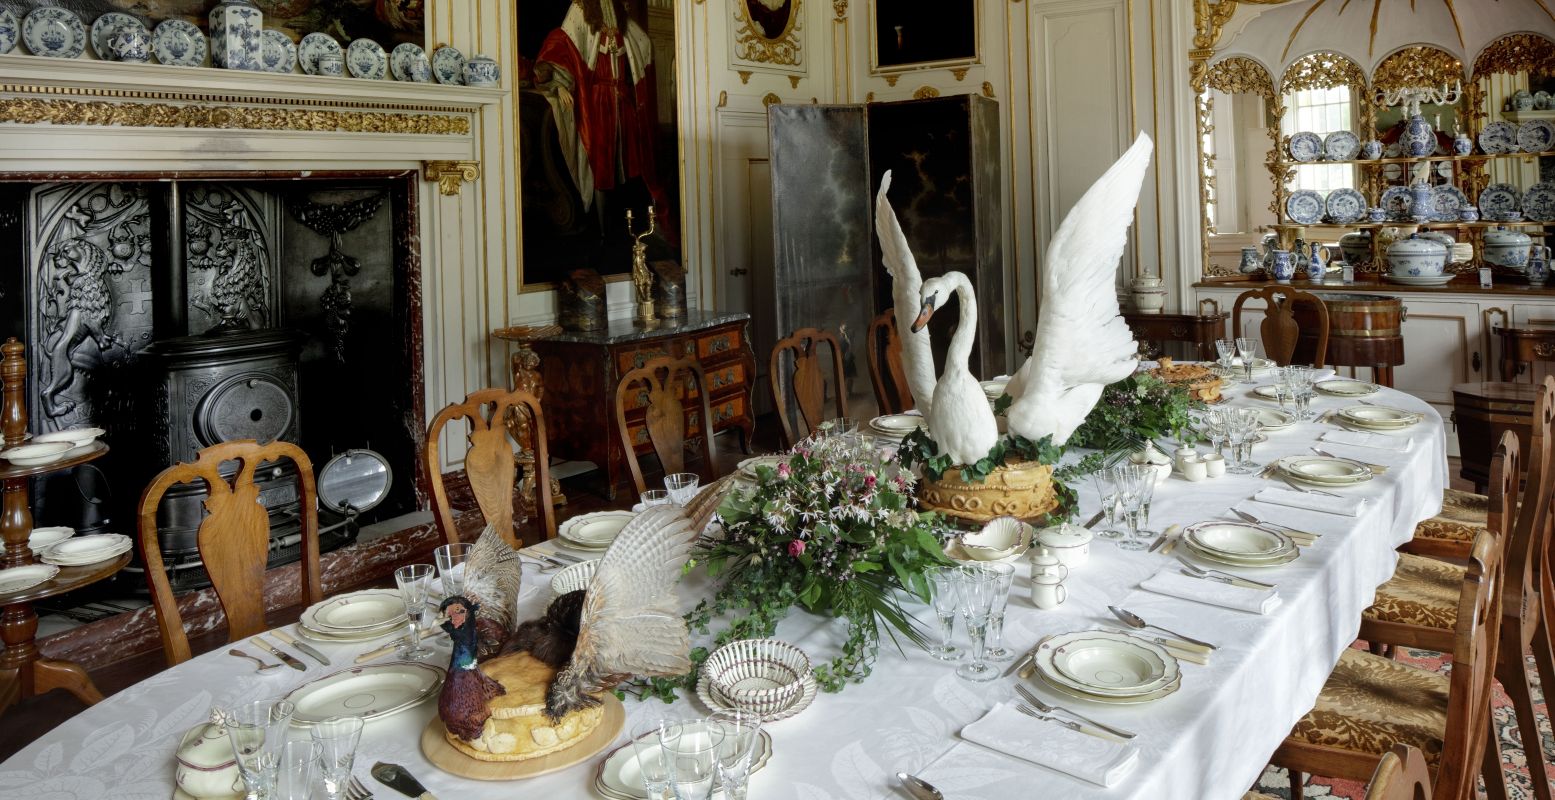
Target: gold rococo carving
[
  {"x": 784, "y": 50},
  {"x": 1324, "y": 70},
  {"x": 840, "y": 8},
  {"x": 36, "y": 110},
  {"x": 1417, "y": 65},
  {"x": 1514, "y": 53},
  {"x": 451, "y": 175},
  {"x": 1240, "y": 75},
  {"x": 770, "y": 99},
  {"x": 925, "y": 92},
  {"x": 987, "y": 89},
  {"x": 959, "y": 73}
]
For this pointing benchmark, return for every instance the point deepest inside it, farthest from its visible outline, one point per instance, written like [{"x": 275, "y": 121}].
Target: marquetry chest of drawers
[{"x": 580, "y": 371}]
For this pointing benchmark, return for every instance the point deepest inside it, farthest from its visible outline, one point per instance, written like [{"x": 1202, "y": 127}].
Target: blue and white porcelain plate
[
  {"x": 365, "y": 59},
  {"x": 54, "y": 32},
  {"x": 1341, "y": 146},
  {"x": 1445, "y": 201},
  {"x": 1536, "y": 136},
  {"x": 313, "y": 46},
  {"x": 179, "y": 44},
  {"x": 1498, "y": 199},
  {"x": 1393, "y": 172},
  {"x": 1396, "y": 201},
  {"x": 1346, "y": 206},
  {"x": 401, "y": 59},
  {"x": 1306, "y": 146},
  {"x": 277, "y": 52},
  {"x": 10, "y": 31},
  {"x": 448, "y": 66},
  {"x": 1539, "y": 202},
  {"x": 105, "y": 27},
  {"x": 1304, "y": 207},
  {"x": 1498, "y": 137}
]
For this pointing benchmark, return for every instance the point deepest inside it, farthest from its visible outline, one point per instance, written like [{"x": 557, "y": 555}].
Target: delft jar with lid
[
  {"x": 1505, "y": 247},
  {"x": 1417, "y": 257},
  {"x": 482, "y": 70},
  {"x": 236, "y": 27}
]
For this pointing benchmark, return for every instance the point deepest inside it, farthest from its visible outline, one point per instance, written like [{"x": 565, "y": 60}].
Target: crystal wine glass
[
  {"x": 976, "y": 591},
  {"x": 741, "y": 733},
  {"x": 1226, "y": 348},
  {"x": 258, "y": 732},
  {"x": 1241, "y": 425},
  {"x": 1303, "y": 387},
  {"x": 450, "y": 560},
  {"x": 337, "y": 738},
  {"x": 1002, "y": 575},
  {"x": 1143, "y": 480},
  {"x": 944, "y": 580},
  {"x": 652, "y": 759},
  {"x": 1106, "y": 481},
  {"x": 1247, "y": 350},
  {"x": 682, "y": 486},
  {"x": 413, "y": 581},
  {"x": 299, "y": 766}
]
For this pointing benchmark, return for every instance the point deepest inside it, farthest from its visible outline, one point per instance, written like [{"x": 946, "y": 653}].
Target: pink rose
[
  {"x": 783, "y": 470},
  {"x": 869, "y": 481},
  {"x": 796, "y": 548}
]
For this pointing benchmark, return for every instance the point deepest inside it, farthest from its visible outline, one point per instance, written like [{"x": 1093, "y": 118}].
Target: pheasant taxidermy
[{"x": 542, "y": 693}]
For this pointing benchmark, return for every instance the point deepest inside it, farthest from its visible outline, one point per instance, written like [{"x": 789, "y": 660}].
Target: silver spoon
[
  {"x": 919, "y": 788},
  {"x": 1135, "y": 621},
  {"x": 263, "y": 667}
]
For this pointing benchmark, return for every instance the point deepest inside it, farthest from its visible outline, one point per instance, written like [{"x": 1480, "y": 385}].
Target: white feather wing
[
  {"x": 1081, "y": 339},
  {"x": 906, "y": 286},
  {"x": 631, "y": 622}
]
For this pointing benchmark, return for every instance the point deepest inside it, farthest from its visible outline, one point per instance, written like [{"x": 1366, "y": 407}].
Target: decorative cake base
[
  {"x": 434, "y": 744},
  {"x": 1023, "y": 489}
]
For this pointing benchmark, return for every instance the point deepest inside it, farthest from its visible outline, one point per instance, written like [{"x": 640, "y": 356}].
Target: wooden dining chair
[
  {"x": 885, "y": 365},
  {"x": 806, "y": 381},
  {"x": 489, "y": 461},
  {"x": 1402, "y": 774},
  {"x": 1278, "y": 331},
  {"x": 234, "y": 538},
  {"x": 661, "y": 387},
  {"x": 1370, "y": 702}
]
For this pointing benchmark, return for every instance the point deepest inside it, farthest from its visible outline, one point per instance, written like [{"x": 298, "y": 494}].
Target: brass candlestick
[{"x": 641, "y": 277}]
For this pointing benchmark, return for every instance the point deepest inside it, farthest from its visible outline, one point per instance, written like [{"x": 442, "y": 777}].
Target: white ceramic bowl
[
  {"x": 75, "y": 436},
  {"x": 42, "y": 538},
  {"x": 1000, "y": 537},
  {"x": 759, "y": 675},
  {"x": 32, "y": 455},
  {"x": 574, "y": 577}
]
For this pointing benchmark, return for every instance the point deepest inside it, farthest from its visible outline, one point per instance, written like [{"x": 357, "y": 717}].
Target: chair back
[
  {"x": 892, "y": 393},
  {"x": 1279, "y": 331},
  {"x": 1476, "y": 638},
  {"x": 488, "y": 461},
  {"x": 1402, "y": 774},
  {"x": 660, "y": 388},
  {"x": 808, "y": 384},
  {"x": 234, "y": 538},
  {"x": 1529, "y": 534}
]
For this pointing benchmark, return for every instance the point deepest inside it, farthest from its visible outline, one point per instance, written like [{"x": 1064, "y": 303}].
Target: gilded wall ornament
[
  {"x": 959, "y": 73},
  {"x": 1514, "y": 53},
  {"x": 925, "y": 92},
  {"x": 767, "y": 32},
  {"x": 1325, "y": 70},
  {"x": 793, "y": 81},
  {"x": 450, "y": 175},
  {"x": 840, "y": 8},
  {"x": 987, "y": 89},
  {"x": 770, "y": 99},
  {"x": 1420, "y": 65},
  {"x": 35, "y": 111}
]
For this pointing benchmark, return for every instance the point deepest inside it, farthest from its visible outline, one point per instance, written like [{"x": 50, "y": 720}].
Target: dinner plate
[
  {"x": 1446, "y": 199},
  {"x": 1420, "y": 280},
  {"x": 314, "y": 46},
  {"x": 75, "y": 436},
  {"x": 749, "y": 465},
  {"x": 1304, "y": 207},
  {"x": 1498, "y": 200},
  {"x": 37, "y": 454},
  {"x": 105, "y": 27},
  {"x": 40, "y": 539},
  {"x": 1273, "y": 419},
  {"x": 1341, "y": 146},
  {"x": 366, "y": 59},
  {"x": 370, "y": 692},
  {"x": 1397, "y": 201},
  {"x": 87, "y": 545},
  {"x": 1237, "y": 539},
  {"x": 1498, "y": 137},
  {"x": 1536, "y": 136},
  {"x": 1379, "y": 416},
  {"x": 448, "y": 66},
  {"x": 1539, "y": 202},
  {"x": 1273, "y": 560},
  {"x": 619, "y": 776},
  {"x": 1342, "y": 387},
  {"x": 716, "y": 701},
  {"x": 277, "y": 52},
  {"x": 1306, "y": 146},
  {"x": 896, "y": 426},
  {"x": 1048, "y": 682},
  {"x": 54, "y": 32},
  {"x": 9, "y": 30},
  {"x": 340, "y": 636},
  {"x": 1345, "y": 206},
  {"x": 1111, "y": 664},
  {"x": 1266, "y": 391},
  {"x": 16, "y": 579},
  {"x": 1326, "y": 470},
  {"x": 356, "y": 612},
  {"x": 401, "y": 59},
  {"x": 594, "y": 531},
  {"x": 179, "y": 43}
]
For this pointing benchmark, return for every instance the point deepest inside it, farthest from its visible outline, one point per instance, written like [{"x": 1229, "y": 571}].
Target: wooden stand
[
  {"x": 526, "y": 376},
  {"x": 23, "y": 672}
]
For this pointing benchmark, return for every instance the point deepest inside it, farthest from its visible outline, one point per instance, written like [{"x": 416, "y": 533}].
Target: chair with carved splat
[
  {"x": 489, "y": 462},
  {"x": 806, "y": 381},
  {"x": 885, "y": 365},
  {"x": 661, "y": 388},
  {"x": 1279, "y": 331},
  {"x": 234, "y": 538}
]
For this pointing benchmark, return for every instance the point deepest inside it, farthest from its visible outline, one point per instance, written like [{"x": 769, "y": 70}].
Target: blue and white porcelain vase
[
  {"x": 1316, "y": 271},
  {"x": 1284, "y": 266},
  {"x": 1372, "y": 149},
  {"x": 482, "y": 70},
  {"x": 236, "y": 27},
  {"x": 1461, "y": 144},
  {"x": 1538, "y": 269},
  {"x": 1421, "y": 202},
  {"x": 1251, "y": 263},
  {"x": 1419, "y": 138}
]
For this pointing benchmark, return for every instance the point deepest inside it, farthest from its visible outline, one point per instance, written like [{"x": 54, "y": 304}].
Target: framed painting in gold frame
[
  {"x": 907, "y": 35},
  {"x": 765, "y": 35}
]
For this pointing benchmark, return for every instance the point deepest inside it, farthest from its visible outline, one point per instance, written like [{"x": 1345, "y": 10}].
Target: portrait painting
[
  {"x": 919, "y": 34},
  {"x": 597, "y": 145},
  {"x": 769, "y": 18},
  {"x": 387, "y": 22}
]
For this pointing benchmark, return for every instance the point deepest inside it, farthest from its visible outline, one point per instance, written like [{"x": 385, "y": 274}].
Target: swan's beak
[{"x": 924, "y": 314}]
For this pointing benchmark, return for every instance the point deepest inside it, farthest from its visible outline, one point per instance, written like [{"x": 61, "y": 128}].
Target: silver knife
[
  {"x": 1018, "y": 665},
  {"x": 1091, "y": 523},
  {"x": 291, "y": 660},
  {"x": 1246, "y": 517},
  {"x": 302, "y": 647},
  {"x": 395, "y": 777}
]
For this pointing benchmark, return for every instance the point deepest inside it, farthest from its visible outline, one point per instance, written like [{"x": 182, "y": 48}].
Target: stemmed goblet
[
  {"x": 1106, "y": 480},
  {"x": 1002, "y": 575},
  {"x": 337, "y": 738},
  {"x": 1140, "y": 479},
  {"x": 944, "y": 581},
  {"x": 652, "y": 757},
  {"x": 258, "y": 733},
  {"x": 1247, "y": 350},
  {"x": 976, "y": 591},
  {"x": 413, "y": 580}
]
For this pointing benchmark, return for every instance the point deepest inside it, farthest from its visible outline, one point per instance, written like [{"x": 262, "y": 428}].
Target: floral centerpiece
[{"x": 1133, "y": 412}]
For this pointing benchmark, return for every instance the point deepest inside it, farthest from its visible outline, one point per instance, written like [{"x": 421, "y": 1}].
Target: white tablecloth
[{"x": 1210, "y": 740}]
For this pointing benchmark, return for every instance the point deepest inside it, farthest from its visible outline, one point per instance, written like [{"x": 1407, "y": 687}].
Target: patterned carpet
[{"x": 1275, "y": 782}]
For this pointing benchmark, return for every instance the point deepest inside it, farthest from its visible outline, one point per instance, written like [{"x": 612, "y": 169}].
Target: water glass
[
  {"x": 1226, "y": 348},
  {"x": 976, "y": 591},
  {"x": 692, "y": 749},
  {"x": 652, "y": 759},
  {"x": 413, "y": 581},
  {"x": 1002, "y": 575},
  {"x": 944, "y": 580},
  {"x": 682, "y": 486},
  {"x": 741, "y": 733},
  {"x": 1247, "y": 350},
  {"x": 258, "y": 732},
  {"x": 450, "y": 560},
  {"x": 1302, "y": 385},
  {"x": 655, "y": 497},
  {"x": 337, "y": 738},
  {"x": 1107, "y": 489},
  {"x": 1133, "y": 479},
  {"x": 299, "y": 766},
  {"x": 1242, "y": 424},
  {"x": 838, "y": 426}
]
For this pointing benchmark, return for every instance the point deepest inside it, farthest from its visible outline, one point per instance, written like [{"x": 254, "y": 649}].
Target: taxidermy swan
[
  {"x": 917, "y": 358},
  {"x": 960, "y": 420},
  {"x": 1082, "y": 343}
]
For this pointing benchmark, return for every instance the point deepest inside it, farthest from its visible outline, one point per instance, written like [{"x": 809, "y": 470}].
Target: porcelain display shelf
[
  {"x": 1428, "y": 225},
  {"x": 1417, "y": 159},
  {"x": 1464, "y": 284},
  {"x": 68, "y": 580},
  {"x": 9, "y": 471}
]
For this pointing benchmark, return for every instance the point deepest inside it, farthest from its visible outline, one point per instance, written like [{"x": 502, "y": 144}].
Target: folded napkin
[
  {"x": 1051, "y": 745},
  {"x": 1387, "y": 459},
  {"x": 1302, "y": 519},
  {"x": 1380, "y": 441},
  {"x": 1172, "y": 582},
  {"x": 1343, "y": 506}
]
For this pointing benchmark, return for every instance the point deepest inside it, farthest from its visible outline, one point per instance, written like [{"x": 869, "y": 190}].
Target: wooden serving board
[{"x": 449, "y": 759}]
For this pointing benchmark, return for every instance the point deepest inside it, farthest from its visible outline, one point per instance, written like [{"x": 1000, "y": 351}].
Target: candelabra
[
  {"x": 641, "y": 277},
  {"x": 1413, "y": 96}
]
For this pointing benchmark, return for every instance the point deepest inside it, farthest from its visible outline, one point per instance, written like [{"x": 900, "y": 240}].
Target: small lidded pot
[
  {"x": 1468, "y": 213},
  {"x": 332, "y": 65},
  {"x": 1151, "y": 456},
  {"x": 482, "y": 70},
  {"x": 206, "y": 765},
  {"x": 1505, "y": 247},
  {"x": 1377, "y": 214},
  {"x": 1071, "y": 543},
  {"x": 1417, "y": 257},
  {"x": 131, "y": 44}
]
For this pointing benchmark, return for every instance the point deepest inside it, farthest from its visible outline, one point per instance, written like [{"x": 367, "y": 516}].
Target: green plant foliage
[{"x": 1134, "y": 411}]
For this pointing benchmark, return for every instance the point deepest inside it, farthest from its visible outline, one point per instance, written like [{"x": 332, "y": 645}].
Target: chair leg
[
  {"x": 1491, "y": 770},
  {"x": 1544, "y": 659},
  {"x": 1513, "y": 674},
  {"x": 1298, "y": 783}
]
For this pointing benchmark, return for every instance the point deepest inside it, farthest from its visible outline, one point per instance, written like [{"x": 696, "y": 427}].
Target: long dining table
[{"x": 1209, "y": 740}]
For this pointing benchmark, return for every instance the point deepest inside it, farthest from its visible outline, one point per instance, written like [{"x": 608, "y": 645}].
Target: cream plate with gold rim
[
  {"x": 16, "y": 579},
  {"x": 594, "y": 531},
  {"x": 748, "y": 467},
  {"x": 620, "y": 775},
  {"x": 1325, "y": 470},
  {"x": 1379, "y": 416},
  {"x": 1237, "y": 539},
  {"x": 356, "y": 612},
  {"x": 1047, "y": 651},
  {"x": 369, "y": 692},
  {"x": 1112, "y": 664},
  {"x": 1341, "y": 387}
]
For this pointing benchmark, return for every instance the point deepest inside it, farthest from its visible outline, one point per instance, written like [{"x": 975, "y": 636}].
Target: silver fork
[
  {"x": 1224, "y": 577},
  {"x": 1305, "y": 490},
  {"x": 356, "y": 791},
  {"x": 1047, "y": 709},
  {"x": 1373, "y": 467},
  {"x": 263, "y": 667},
  {"x": 1032, "y": 712}
]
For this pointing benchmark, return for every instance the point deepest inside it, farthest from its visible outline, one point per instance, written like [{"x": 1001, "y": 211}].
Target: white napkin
[
  {"x": 1172, "y": 582},
  {"x": 1380, "y": 441},
  {"x": 1367, "y": 455},
  {"x": 1344, "y": 506},
  {"x": 1302, "y": 519},
  {"x": 1051, "y": 745}
]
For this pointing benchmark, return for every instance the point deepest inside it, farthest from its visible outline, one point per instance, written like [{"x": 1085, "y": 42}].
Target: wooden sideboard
[{"x": 581, "y": 369}]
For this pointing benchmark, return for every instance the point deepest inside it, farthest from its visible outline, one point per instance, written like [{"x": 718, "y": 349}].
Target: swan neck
[{"x": 960, "y": 351}]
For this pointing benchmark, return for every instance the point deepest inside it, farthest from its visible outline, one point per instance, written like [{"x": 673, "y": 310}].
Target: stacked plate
[
  {"x": 1378, "y": 418},
  {"x": 1324, "y": 471},
  {"x": 370, "y": 692},
  {"x": 747, "y": 468},
  {"x": 82, "y": 550},
  {"x": 993, "y": 390},
  {"x": 895, "y": 426},
  {"x": 620, "y": 775},
  {"x": 354, "y": 617},
  {"x": 79, "y": 439},
  {"x": 1341, "y": 387},
  {"x": 593, "y": 532},
  {"x": 1274, "y": 420},
  {"x": 1107, "y": 667},
  {"x": 1239, "y": 544},
  {"x": 40, "y": 539},
  {"x": 16, "y": 579}
]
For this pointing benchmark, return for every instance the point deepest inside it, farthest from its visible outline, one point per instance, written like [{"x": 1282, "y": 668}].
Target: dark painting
[
  {"x": 910, "y": 33},
  {"x": 596, "y": 140},
  {"x": 387, "y": 22},
  {"x": 770, "y": 18}
]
